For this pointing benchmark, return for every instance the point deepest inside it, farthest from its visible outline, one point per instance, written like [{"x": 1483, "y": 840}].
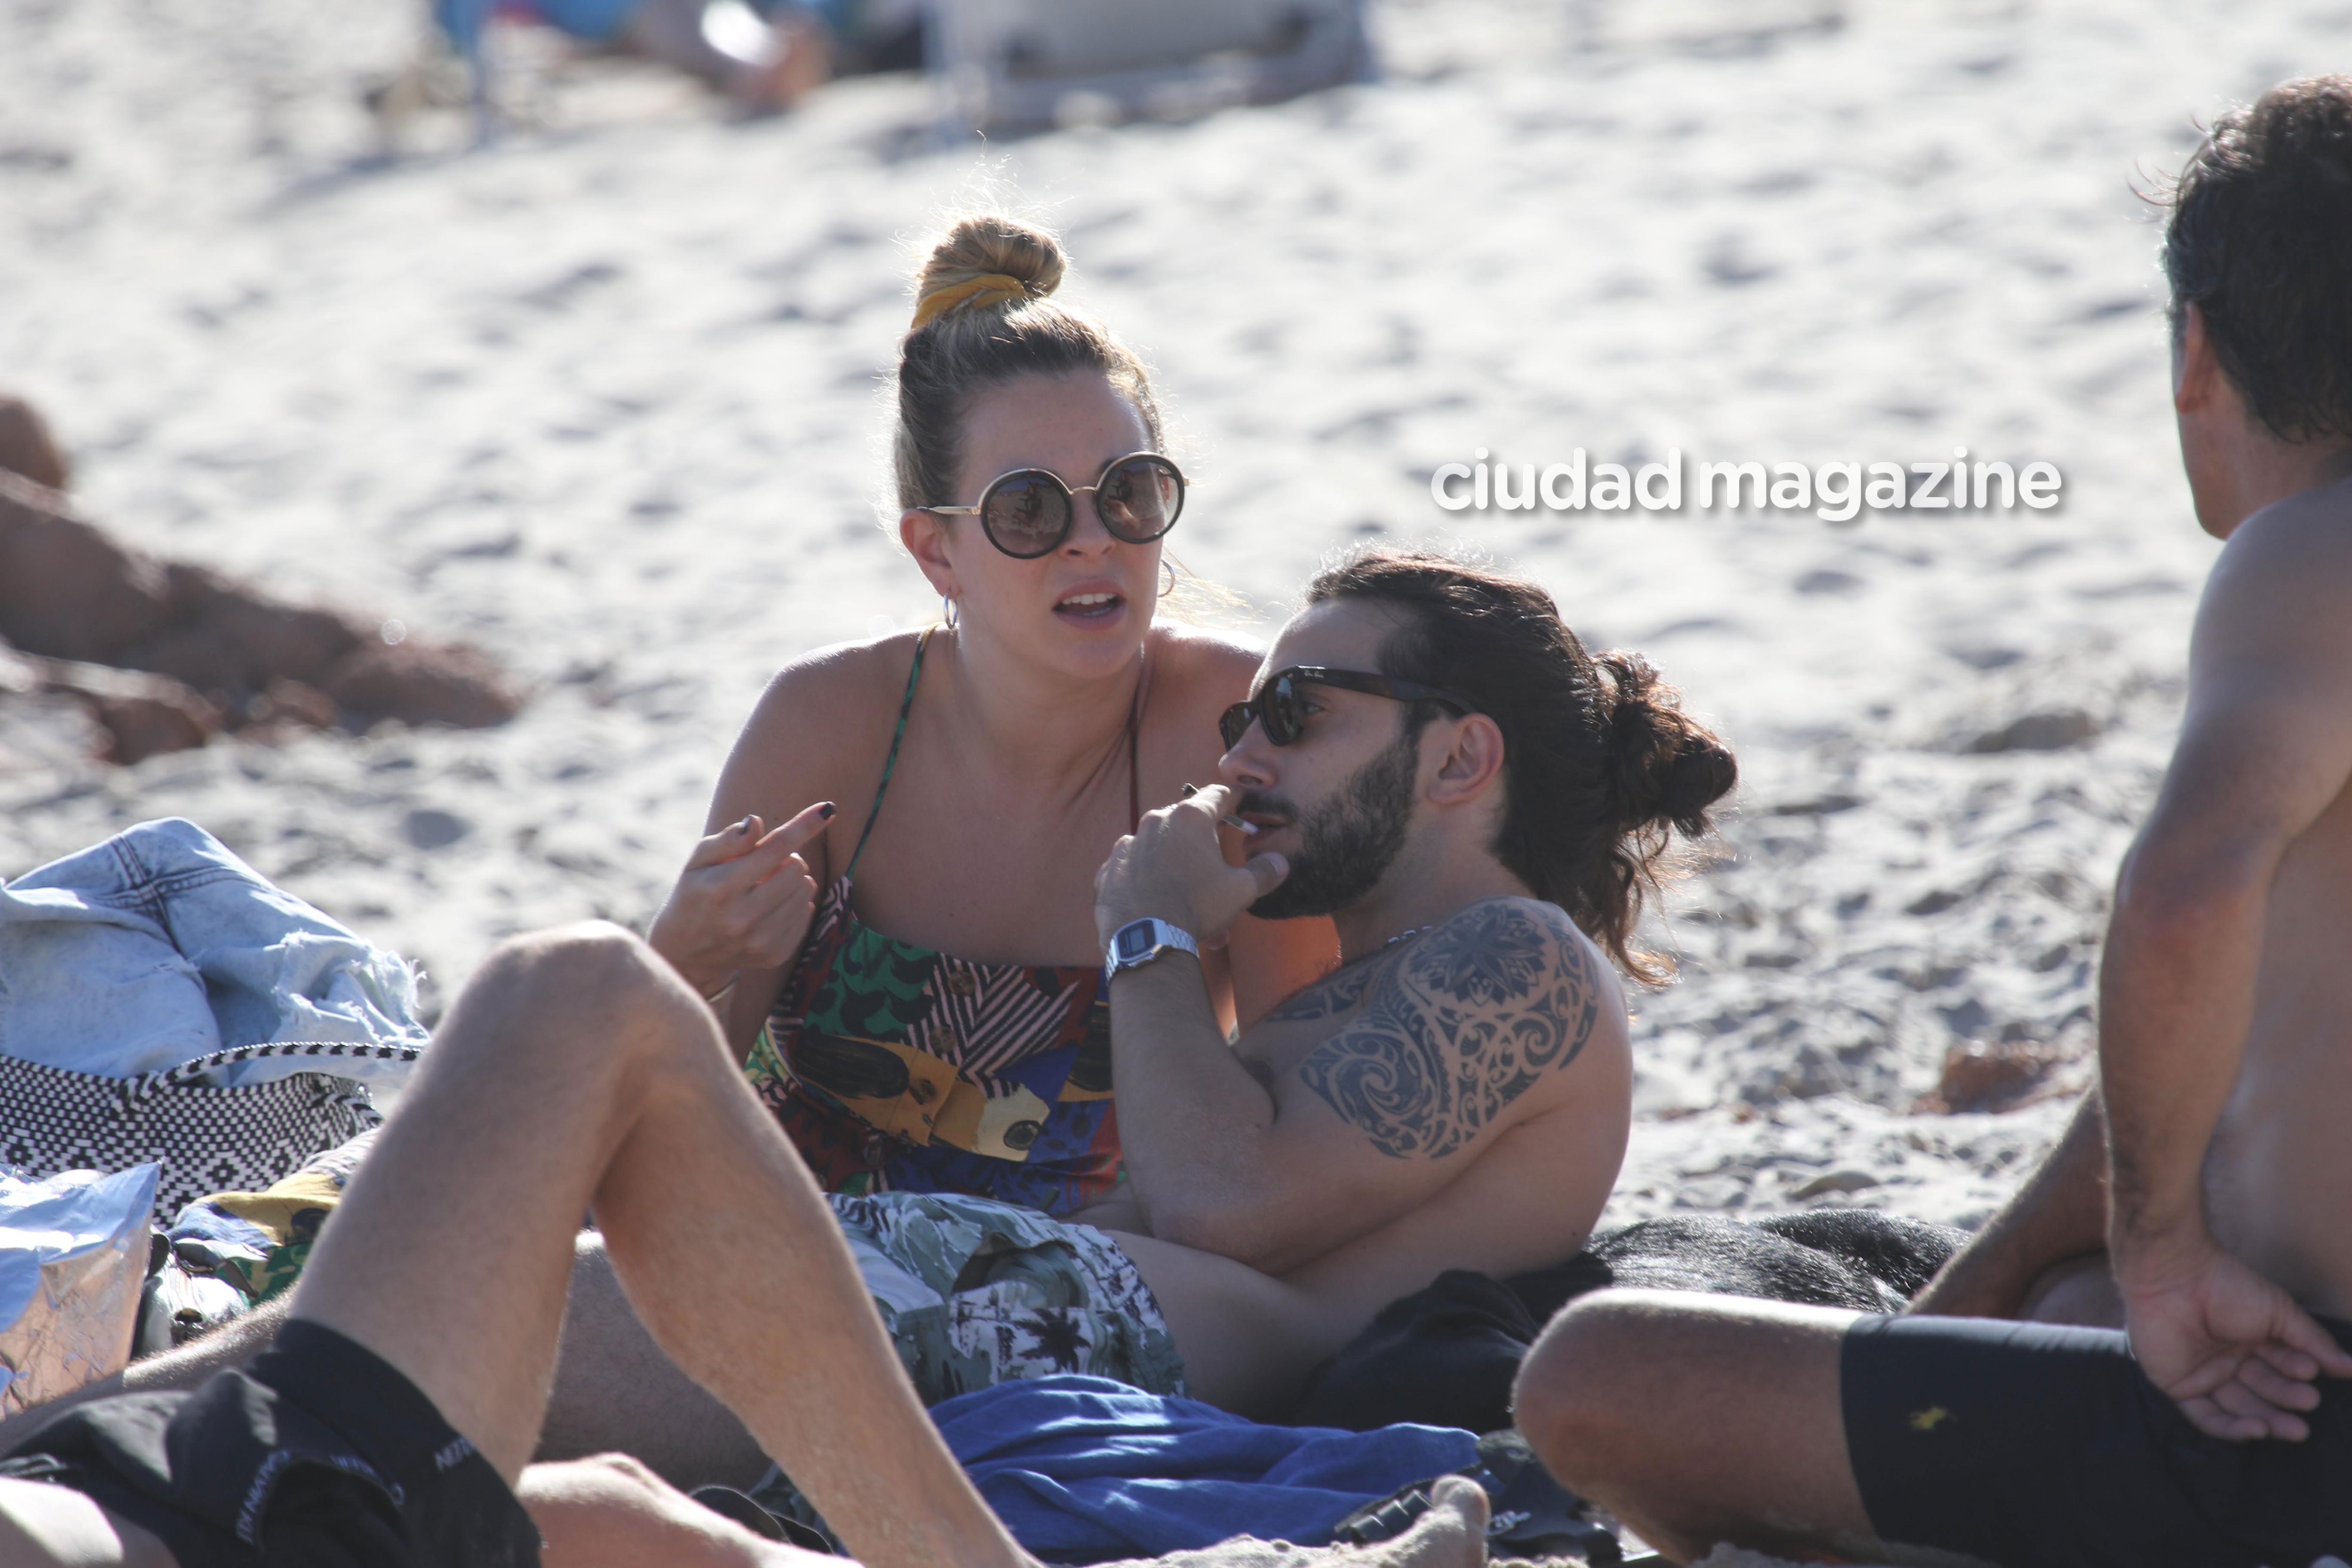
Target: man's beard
[{"x": 1346, "y": 844}]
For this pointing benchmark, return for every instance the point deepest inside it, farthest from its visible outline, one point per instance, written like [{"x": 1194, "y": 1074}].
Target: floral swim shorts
[{"x": 976, "y": 1292}]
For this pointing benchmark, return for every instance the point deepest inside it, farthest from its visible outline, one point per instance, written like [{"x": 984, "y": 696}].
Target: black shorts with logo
[
  {"x": 320, "y": 1454},
  {"x": 2029, "y": 1445}
]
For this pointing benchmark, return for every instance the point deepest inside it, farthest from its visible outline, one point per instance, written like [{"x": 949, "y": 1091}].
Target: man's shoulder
[
  {"x": 2277, "y": 609},
  {"x": 1497, "y": 953},
  {"x": 1462, "y": 1029},
  {"x": 1503, "y": 947},
  {"x": 2303, "y": 542}
]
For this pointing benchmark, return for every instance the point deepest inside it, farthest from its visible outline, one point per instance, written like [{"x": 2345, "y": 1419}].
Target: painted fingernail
[
  {"x": 1192, "y": 790},
  {"x": 743, "y": 827},
  {"x": 825, "y": 811}
]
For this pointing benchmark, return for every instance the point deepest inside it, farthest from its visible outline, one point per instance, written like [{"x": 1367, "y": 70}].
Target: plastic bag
[{"x": 73, "y": 1256}]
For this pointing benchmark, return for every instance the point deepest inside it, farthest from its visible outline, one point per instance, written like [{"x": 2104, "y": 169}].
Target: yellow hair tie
[{"x": 987, "y": 289}]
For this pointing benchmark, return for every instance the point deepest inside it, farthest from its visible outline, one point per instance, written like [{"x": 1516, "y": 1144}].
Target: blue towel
[{"x": 1082, "y": 1470}]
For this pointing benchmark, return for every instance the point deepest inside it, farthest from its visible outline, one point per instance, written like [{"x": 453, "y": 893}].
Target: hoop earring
[
  {"x": 1165, "y": 565},
  {"x": 951, "y": 616}
]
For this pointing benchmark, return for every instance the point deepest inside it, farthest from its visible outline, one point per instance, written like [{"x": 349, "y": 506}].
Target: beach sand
[{"x": 602, "y": 399}]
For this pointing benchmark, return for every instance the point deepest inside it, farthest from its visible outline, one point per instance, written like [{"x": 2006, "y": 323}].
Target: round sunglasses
[
  {"x": 1281, "y": 707},
  {"x": 1030, "y": 511}
]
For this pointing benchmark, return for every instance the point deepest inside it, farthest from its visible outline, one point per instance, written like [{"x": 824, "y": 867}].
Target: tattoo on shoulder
[
  {"x": 1335, "y": 992},
  {"x": 1459, "y": 1026}
]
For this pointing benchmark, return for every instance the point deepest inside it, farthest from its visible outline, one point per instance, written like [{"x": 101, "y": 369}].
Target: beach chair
[{"x": 1019, "y": 64}]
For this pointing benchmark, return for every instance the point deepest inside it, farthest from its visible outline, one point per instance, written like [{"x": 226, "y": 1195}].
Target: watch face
[{"x": 1135, "y": 940}]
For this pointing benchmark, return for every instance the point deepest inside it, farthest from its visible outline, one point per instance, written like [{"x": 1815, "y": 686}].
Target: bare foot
[
  {"x": 1452, "y": 1534},
  {"x": 610, "y": 1511}
]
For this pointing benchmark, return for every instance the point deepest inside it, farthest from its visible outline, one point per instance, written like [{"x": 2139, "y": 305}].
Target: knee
[
  {"x": 1571, "y": 1399},
  {"x": 592, "y": 966},
  {"x": 593, "y": 995}
]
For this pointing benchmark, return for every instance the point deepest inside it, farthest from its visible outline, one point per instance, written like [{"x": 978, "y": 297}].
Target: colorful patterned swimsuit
[{"x": 896, "y": 1068}]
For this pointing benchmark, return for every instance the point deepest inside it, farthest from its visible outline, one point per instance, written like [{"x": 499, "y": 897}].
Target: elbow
[
  {"x": 2180, "y": 892},
  {"x": 1230, "y": 1229}
]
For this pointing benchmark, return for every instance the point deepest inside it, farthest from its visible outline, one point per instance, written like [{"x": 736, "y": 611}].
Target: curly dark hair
[
  {"x": 1601, "y": 764},
  {"x": 2261, "y": 242}
]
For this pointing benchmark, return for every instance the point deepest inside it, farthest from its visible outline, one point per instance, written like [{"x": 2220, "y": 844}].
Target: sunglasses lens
[
  {"x": 1026, "y": 514},
  {"x": 1139, "y": 498},
  {"x": 1277, "y": 709},
  {"x": 1233, "y": 723}
]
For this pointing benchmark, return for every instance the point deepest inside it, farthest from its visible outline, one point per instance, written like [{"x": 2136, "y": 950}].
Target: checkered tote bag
[{"x": 207, "y": 1139}]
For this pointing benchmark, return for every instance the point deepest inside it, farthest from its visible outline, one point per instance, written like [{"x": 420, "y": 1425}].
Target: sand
[{"x": 602, "y": 399}]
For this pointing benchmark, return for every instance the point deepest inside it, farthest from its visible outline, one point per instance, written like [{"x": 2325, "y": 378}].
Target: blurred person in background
[{"x": 764, "y": 55}]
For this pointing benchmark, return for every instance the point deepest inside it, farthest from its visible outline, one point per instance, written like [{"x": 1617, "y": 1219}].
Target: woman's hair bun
[
  {"x": 988, "y": 244},
  {"x": 1670, "y": 768}
]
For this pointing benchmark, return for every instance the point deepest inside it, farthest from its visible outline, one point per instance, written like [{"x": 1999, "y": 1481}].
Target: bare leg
[
  {"x": 577, "y": 1071},
  {"x": 1698, "y": 1419},
  {"x": 618, "y": 1391},
  {"x": 2059, "y": 1214},
  {"x": 1248, "y": 1339}
]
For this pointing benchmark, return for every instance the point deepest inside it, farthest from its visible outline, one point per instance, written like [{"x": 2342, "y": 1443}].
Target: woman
[{"x": 912, "y": 976}]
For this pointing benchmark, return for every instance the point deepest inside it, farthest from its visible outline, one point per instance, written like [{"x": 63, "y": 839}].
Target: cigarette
[{"x": 1192, "y": 790}]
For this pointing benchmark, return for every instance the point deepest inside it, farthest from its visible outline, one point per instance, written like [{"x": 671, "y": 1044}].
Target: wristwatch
[{"x": 1138, "y": 943}]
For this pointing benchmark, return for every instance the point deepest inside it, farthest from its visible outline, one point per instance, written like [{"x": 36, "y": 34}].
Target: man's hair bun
[
  {"x": 1605, "y": 771},
  {"x": 988, "y": 246},
  {"x": 1670, "y": 768}
]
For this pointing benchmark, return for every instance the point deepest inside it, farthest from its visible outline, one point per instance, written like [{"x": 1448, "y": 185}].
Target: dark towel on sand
[{"x": 1446, "y": 1356}]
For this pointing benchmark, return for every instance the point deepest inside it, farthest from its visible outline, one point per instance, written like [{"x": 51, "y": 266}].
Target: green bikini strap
[{"x": 890, "y": 763}]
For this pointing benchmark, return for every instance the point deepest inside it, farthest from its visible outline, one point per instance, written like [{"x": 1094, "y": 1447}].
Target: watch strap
[{"x": 1138, "y": 942}]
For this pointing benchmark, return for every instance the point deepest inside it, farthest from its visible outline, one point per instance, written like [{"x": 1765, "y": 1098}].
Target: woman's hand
[{"x": 742, "y": 903}]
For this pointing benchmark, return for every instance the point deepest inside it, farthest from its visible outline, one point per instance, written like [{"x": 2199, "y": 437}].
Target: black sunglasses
[
  {"x": 1029, "y": 511},
  {"x": 1280, "y": 707}
]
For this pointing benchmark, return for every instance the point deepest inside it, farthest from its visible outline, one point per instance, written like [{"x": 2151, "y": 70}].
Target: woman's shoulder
[
  {"x": 848, "y": 671},
  {"x": 1212, "y": 666},
  {"x": 839, "y": 693}
]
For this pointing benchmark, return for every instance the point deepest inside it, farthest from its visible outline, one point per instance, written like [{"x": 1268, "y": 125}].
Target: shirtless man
[
  {"x": 1433, "y": 760},
  {"x": 1439, "y": 767},
  {"x": 2213, "y": 1429}
]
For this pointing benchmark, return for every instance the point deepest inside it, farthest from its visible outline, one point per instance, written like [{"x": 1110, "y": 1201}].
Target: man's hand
[
  {"x": 1174, "y": 868},
  {"x": 2233, "y": 1351}
]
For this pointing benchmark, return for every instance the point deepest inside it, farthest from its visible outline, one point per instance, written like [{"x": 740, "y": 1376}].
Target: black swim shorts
[
  {"x": 2027, "y": 1445},
  {"x": 319, "y": 1454}
]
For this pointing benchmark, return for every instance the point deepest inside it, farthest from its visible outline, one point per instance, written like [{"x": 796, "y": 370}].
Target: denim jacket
[{"x": 158, "y": 946}]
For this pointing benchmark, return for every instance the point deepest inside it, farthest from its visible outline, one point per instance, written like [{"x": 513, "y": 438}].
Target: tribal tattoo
[
  {"x": 1335, "y": 992},
  {"x": 1454, "y": 1030}
]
